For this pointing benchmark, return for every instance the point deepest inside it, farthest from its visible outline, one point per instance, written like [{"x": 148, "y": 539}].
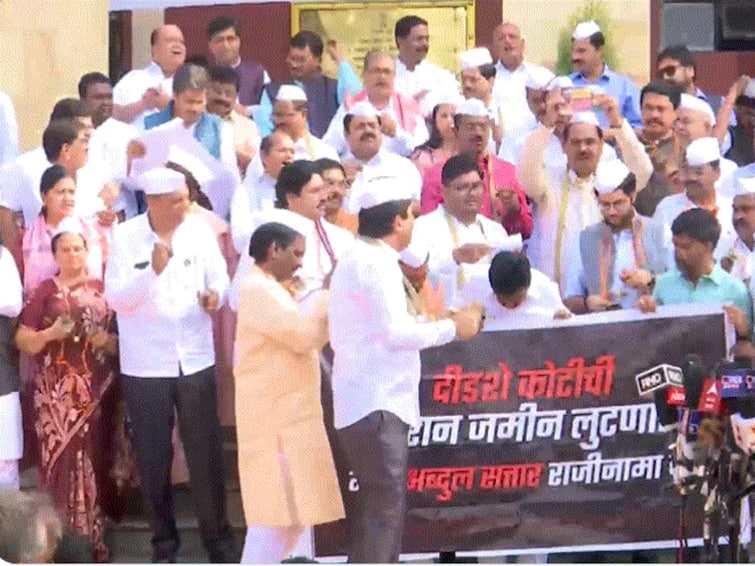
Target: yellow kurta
[{"x": 278, "y": 408}]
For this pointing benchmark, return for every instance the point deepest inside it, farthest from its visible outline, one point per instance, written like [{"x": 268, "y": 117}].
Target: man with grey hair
[{"x": 190, "y": 105}]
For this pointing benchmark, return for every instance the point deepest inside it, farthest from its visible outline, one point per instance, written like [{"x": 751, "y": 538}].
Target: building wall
[
  {"x": 629, "y": 20},
  {"x": 46, "y": 46}
]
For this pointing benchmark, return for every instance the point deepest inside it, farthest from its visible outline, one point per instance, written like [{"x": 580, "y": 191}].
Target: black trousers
[
  {"x": 151, "y": 403},
  {"x": 376, "y": 449}
]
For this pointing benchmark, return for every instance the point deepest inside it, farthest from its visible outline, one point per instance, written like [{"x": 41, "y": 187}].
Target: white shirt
[
  {"x": 386, "y": 164},
  {"x": 726, "y": 184},
  {"x": 434, "y": 231},
  {"x": 21, "y": 180},
  {"x": 673, "y": 205},
  {"x": 741, "y": 257},
  {"x": 581, "y": 211},
  {"x": 537, "y": 309},
  {"x": 403, "y": 143},
  {"x": 8, "y": 130},
  {"x": 108, "y": 146},
  {"x": 255, "y": 194},
  {"x": 439, "y": 83},
  {"x": 135, "y": 83},
  {"x": 316, "y": 263},
  {"x": 11, "y": 299},
  {"x": 375, "y": 339},
  {"x": 510, "y": 85},
  {"x": 162, "y": 328}
]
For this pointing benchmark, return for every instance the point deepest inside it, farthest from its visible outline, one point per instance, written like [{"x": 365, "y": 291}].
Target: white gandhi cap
[
  {"x": 69, "y": 225},
  {"x": 689, "y": 102},
  {"x": 585, "y": 30},
  {"x": 609, "y": 175},
  {"x": 702, "y": 151},
  {"x": 745, "y": 186},
  {"x": 377, "y": 191},
  {"x": 749, "y": 91},
  {"x": 475, "y": 57},
  {"x": 559, "y": 82},
  {"x": 585, "y": 118},
  {"x": 471, "y": 107},
  {"x": 363, "y": 109},
  {"x": 161, "y": 181},
  {"x": 415, "y": 254},
  {"x": 538, "y": 78},
  {"x": 291, "y": 92},
  {"x": 192, "y": 164}
]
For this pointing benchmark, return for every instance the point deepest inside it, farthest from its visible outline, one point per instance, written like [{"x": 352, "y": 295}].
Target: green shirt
[{"x": 673, "y": 288}]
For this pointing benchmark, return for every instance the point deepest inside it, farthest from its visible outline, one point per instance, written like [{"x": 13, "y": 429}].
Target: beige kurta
[{"x": 278, "y": 408}]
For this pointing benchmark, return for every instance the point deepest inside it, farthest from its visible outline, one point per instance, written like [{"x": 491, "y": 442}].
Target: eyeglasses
[
  {"x": 668, "y": 71},
  {"x": 617, "y": 205}
]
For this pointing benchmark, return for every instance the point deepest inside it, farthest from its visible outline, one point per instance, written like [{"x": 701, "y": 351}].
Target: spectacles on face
[{"x": 668, "y": 71}]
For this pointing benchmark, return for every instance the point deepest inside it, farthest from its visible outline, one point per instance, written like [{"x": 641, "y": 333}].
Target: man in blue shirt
[
  {"x": 590, "y": 69},
  {"x": 697, "y": 277}
]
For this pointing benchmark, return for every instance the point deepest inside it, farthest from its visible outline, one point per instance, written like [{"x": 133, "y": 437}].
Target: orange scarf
[{"x": 607, "y": 252}]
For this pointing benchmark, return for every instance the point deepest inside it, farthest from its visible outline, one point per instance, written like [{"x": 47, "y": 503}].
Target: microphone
[
  {"x": 656, "y": 382},
  {"x": 693, "y": 379}
]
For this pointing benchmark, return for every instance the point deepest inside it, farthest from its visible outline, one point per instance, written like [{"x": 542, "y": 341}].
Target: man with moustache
[
  {"x": 700, "y": 173},
  {"x": 367, "y": 159},
  {"x": 109, "y": 140},
  {"x": 477, "y": 81},
  {"x": 564, "y": 198},
  {"x": 143, "y": 91},
  {"x": 658, "y": 105},
  {"x": 503, "y": 200},
  {"x": 417, "y": 77},
  {"x": 324, "y": 94},
  {"x": 620, "y": 256},
  {"x": 222, "y": 93},
  {"x": 696, "y": 120},
  {"x": 738, "y": 261},
  {"x": 290, "y": 112},
  {"x": 591, "y": 70},
  {"x": 698, "y": 278},
  {"x": 401, "y": 120}
]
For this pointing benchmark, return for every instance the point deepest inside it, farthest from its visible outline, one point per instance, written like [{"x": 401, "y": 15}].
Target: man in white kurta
[
  {"x": 368, "y": 160},
  {"x": 290, "y": 116},
  {"x": 109, "y": 140},
  {"x": 564, "y": 198},
  {"x": 417, "y": 77},
  {"x": 141, "y": 92},
  {"x": 165, "y": 276},
  {"x": 519, "y": 296},
  {"x": 696, "y": 120},
  {"x": 738, "y": 261},
  {"x": 460, "y": 240},
  {"x": 373, "y": 334},
  {"x": 257, "y": 192},
  {"x": 401, "y": 119},
  {"x": 700, "y": 173},
  {"x": 301, "y": 192}
]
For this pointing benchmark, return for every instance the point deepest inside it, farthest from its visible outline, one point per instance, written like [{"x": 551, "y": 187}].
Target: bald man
[{"x": 143, "y": 91}]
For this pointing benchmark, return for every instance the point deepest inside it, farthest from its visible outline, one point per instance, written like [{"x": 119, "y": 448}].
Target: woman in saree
[{"x": 69, "y": 329}]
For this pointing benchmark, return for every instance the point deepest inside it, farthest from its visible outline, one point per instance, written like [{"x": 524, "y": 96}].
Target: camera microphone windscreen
[{"x": 693, "y": 373}]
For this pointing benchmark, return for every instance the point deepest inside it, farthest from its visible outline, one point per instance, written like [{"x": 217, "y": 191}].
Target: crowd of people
[{"x": 198, "y": 227}]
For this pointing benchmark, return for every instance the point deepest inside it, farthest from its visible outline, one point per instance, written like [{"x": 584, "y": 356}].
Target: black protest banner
[{"x": 537, "y": 438}]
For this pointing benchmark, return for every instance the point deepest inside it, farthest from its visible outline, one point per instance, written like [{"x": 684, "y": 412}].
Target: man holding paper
[{"x": 460, "y": 239}]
